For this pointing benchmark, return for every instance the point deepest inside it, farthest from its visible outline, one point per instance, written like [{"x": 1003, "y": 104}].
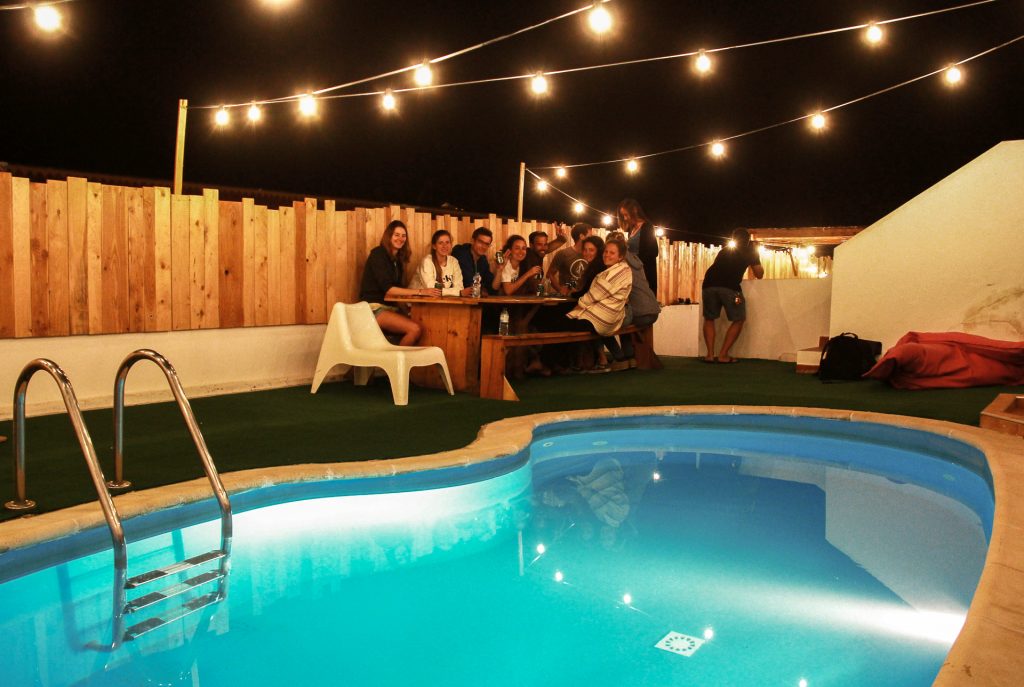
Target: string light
[
  {"x": 718, "y": 149},
  {"x": 542, "y": 186},
  {"x": 600, "y": 19},
  {"x": 561, "y": 172},
  {"x": 423, "y": 76},
  {"x": 632, "y": 166},
  {"x": 539, "y": 84},
  {"x": 578, "y": 208},
  {"x": 606, "y": 220},
  {"x": 702, "y": 63},
  {"x": 388, "y": 101},
  {"x": 953, "y": 75},
  {"x": 731, "y": 243},
  {"x": 222, "y": 118},
  {"x": 874, "y": 34},
  {"x": 307, "y": 105},
  {"x": 627, "y": 598},
  {"x": 47, "y": 18},
  {"x": 818, "y": 122},
  {"x": 254, "y": 113}
]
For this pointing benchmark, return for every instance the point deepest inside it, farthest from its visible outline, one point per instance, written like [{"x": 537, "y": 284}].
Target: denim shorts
[{"x": 717, "y": 297}]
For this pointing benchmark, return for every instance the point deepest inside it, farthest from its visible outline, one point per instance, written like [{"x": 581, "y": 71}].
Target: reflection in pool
[{"x": 648, "y": 551}]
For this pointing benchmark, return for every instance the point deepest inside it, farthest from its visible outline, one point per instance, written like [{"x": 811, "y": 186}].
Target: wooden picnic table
[{"x": 452, "y": 323}]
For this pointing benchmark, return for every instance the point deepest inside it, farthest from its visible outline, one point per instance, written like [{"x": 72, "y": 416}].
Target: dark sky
[{"x": 104, "y": 98}]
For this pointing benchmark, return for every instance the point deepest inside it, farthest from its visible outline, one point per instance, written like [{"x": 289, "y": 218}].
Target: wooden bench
[{"x": 494, "y": 384}]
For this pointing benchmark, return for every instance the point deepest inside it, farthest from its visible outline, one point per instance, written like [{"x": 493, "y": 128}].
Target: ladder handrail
[
  {"x": 67, "y": 392},
  {"x": 190, "y": 421}
]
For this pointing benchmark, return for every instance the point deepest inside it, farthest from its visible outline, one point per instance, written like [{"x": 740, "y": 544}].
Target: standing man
[
  {"x": 722, "y": 289},
  {"x": 568, "y": 265},
  {"x": 472, "y": 259}
]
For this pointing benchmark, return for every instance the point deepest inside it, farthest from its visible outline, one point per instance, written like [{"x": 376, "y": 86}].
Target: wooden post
[
  {"x": 522, "y": 185},
  {"x": 179, "y": 147}
]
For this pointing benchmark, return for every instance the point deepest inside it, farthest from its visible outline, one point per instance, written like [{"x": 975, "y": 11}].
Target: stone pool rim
[{"x": 989, "y": 649}]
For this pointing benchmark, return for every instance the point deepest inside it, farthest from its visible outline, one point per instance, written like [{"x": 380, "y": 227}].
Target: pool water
[{"x": 650, "y": 551}]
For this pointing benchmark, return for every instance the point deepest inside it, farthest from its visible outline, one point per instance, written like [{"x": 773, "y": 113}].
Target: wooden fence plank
[
  {"x": 197, "y": 261},
  {"x": 261, "y": 272},
  {"x": 163, "y": 260},
  {"x": 58, "y": 298},
  {"x": 114, "y": 249},
  {"x": 211, "y": 257},
  {"x": 344, "y": 275},
  {"x": 288, "y": 278},
  {"x": 21, "y": 214},
  {"x": 330, "y": 259},
  {"x": 301, "y": 233},
  {"x": 274, "y": 266},
  {"x": 149, "y": 259},
  {"x": 231, "y": 264},
  {"x": 315, "y": 227},
  {"x": 136, "y": 260},
  {"x": 248, "y": 262},
  {"x": 37, "y": 234},
  {"x": 7, "y": 302},
  {"x": 94, "y": 255},
  {"x": 181, "y": 283},
  {"x": 78, "y": 255}
]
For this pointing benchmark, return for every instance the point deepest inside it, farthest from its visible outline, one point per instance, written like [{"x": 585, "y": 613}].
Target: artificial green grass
[{"x": 346, "y": 423}]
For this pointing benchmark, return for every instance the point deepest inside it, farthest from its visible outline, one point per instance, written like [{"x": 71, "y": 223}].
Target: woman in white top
[
  {"x": 507, "y": 280},
  {"x": 440, "y": 270}
]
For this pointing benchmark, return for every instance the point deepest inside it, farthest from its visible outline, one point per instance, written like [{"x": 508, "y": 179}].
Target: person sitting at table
[
  {"x": 382, "y": 279},
  {"x": 568, "y": 265},
  {"x": 440, "y": 269},
  {"x": 509, "y": 281},
  {"x": 472, "y": 259},
  {"x": 592, "y": 251}
]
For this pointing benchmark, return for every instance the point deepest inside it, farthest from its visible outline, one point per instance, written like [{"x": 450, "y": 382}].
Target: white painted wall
[
  {"x": 949, "y": 260},
  {"x": 208, "y": 362}
]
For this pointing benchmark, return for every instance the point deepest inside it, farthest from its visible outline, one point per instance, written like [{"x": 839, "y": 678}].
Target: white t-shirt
[
  {"x": 451, "y": 276},
  {"x": 509, "y": 273}
]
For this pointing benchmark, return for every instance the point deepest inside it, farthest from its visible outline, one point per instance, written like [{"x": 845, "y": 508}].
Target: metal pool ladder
[{"x": 122, "y": 583}]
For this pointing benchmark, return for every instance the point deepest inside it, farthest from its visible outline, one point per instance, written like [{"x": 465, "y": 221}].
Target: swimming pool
[{"x": 753, "y": 550}]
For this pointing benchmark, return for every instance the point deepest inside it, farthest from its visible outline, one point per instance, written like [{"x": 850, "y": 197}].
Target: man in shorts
[{"x": 722, "y": 289}]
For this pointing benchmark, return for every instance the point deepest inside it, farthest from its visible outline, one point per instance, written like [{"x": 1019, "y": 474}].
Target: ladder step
[
  {"x": 167, "y": 571},
  {"x": 174, "y": 590},
  {"x": 187, "y": 608}
]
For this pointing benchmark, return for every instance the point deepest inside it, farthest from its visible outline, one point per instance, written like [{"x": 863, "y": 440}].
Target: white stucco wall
[
  {"x": 208, "y": 362},
  {"x": 949, "y": 260}
]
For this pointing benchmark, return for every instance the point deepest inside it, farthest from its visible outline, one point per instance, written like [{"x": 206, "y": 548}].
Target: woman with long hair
[
  {"x": 592, "y": 252},
  {"x": 440, "y": 269},
  {"x": 640, "y": 238},
  {"x": 383, "y": 278},
  {"x": 507, "y": 280}
]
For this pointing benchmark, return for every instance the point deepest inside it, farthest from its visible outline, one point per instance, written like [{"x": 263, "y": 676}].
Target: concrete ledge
[{"x": 989, "y": 650}]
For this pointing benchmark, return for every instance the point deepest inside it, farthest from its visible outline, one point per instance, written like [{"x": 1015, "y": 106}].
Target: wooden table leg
[{"x": 455, "y": 329}]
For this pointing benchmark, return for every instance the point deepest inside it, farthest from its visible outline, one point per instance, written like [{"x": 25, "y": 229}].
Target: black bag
[{"x": 847, "y": 357}]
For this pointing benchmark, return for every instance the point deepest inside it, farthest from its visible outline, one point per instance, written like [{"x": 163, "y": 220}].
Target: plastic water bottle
[
  {"x": 476, "y": 285},
  {"x": 503, "y": 322}
]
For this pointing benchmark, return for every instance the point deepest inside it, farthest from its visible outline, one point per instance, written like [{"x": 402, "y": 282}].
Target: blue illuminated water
[{"x": 836, "y": 553}]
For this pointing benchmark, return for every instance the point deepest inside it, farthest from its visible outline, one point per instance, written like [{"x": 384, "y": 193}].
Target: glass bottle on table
[
  {"x": 477, "y": 281},
  {"x": 503, "y": 322}
]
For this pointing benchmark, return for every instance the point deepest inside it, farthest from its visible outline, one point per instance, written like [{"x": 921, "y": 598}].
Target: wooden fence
[{"x": 79, "y": 257}]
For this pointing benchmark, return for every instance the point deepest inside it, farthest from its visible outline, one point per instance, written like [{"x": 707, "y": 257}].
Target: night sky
[{"x": 103, "y": 98}]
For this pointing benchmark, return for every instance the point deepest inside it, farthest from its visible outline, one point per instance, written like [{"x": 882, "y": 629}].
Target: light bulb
[
  {"x": 709, "y": 634},
  {"x": 874, "y": 34},
  {"x": 47, "y": 18},
  {"x": 718, "y": 149},
  {"x": 388, "y": 101},
  {"x": 561, "y": 172},
  {"x": 656, "y": 476},
  {"x": 606, "y": 220},
  {"x": 222, "y": 118},
  {"x": 423, "y": 76},
  {"x": 559, "y": 576},
  {"x": 542, "y": 185},
  {"x": 600, "y": 19},
  {"x": 254, "y": 114},
  {"x": 953, "y": 75},
  {"x": 632, "y": 166},
  {"x": 818, "y": 122},
  {"x": 627, "y": 598},
  {"x": 541, "y": 549},
  {"x": 307, "y": 105},
  {"x": 702, "y": 63},
  {"x": 539, "y": 84},
  {"x": 731, "y": 243},
  {"x": 802, "y": 683},
  {"x": 578, "y": 208}
]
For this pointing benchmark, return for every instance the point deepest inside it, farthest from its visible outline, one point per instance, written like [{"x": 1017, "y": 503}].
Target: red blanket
[{"x": 945, "y": 360}]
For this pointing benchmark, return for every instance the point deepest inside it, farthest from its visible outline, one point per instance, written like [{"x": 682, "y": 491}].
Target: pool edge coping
[{"x": 989, "y": 649}]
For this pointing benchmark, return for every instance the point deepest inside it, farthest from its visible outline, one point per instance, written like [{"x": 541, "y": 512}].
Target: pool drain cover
[{"x": 681, "y": 644}]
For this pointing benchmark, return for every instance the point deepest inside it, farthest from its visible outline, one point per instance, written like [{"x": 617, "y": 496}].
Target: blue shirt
[{"x": 464, "y": 254}]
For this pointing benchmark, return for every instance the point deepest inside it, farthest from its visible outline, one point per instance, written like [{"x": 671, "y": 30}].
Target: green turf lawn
[{"x": 345, "y": 423}]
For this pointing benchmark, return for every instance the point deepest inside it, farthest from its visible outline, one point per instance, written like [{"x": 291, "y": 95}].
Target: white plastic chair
[{"x": 354, "y": 339}]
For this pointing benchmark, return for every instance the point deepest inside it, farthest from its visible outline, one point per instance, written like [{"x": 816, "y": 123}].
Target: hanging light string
[
  {"x": 34, "y": 5},
  {"x": 329, "y": 92},
  {"x": 787, "y": 121},
  {"x": 321, "y": 93}
]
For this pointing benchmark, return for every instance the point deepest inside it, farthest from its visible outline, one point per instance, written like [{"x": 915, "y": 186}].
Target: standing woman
[
  {"x": 382, "y": 279},
  {"x": 441, "y": 268},
  {"x": 640, "y": 238},
  {"x": 507, "y": 280}
]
